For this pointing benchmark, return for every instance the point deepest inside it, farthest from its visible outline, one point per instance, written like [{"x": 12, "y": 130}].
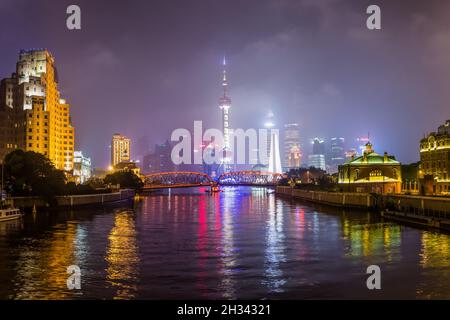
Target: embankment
[
  {"x": 73, "y": 201},
  {"x": 339, "y": 199},
  {"x": 418, "y": 210}
]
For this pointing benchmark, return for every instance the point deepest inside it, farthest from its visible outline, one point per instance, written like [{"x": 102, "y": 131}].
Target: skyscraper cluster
[{"x": 34, "y": 116}]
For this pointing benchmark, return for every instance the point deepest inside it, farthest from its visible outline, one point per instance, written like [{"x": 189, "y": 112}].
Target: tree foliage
[
  {"x": 126, "y": 179},
  {"x": 29, "y": 173}
]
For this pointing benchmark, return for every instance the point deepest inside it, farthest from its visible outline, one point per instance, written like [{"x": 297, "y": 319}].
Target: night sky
[{"x": 145, "y": 68}]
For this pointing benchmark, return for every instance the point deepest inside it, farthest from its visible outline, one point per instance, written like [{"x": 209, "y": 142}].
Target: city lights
[{"x": 138, "y": 162}]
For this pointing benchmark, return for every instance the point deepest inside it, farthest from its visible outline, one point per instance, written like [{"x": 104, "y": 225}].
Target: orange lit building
[{"x": 42, "y": 117}]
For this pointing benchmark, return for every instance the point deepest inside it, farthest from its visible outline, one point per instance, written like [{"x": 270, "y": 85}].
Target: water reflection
[
  {"x": 122, "y": 256},
  {"x": 228, "y": 254},
  {"x": 41, "y": 269},
  {"x": 274, "y": 255},
  {"x": 371, "y": 239},
  {"x": 244, "y": 243}
]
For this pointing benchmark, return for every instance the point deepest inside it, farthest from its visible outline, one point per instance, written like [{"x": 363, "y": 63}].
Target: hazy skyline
[{"x": 146, "y": 68}]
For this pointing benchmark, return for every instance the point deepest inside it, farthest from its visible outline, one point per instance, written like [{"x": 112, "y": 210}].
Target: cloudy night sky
[{"x": 145, "y": 68}]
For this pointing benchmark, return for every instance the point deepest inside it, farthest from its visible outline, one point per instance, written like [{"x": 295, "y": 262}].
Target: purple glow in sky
[{"x": 145, "y": 68}]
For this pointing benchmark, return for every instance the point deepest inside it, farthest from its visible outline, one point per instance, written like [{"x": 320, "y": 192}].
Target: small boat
[{"x": 8, "y": 212}]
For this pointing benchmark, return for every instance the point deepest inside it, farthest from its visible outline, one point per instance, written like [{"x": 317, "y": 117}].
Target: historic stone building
[
  {"x": 371, "y": 172},
  {"x": 38, "y": 119},
  {"x": 434, "y": 170}
]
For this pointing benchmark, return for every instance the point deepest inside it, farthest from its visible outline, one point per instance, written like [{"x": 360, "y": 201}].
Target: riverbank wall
[
  {"x": 75, "y": 200},
  {"x": 338, "y": 199},
  {"x": 417, "y": 210}
]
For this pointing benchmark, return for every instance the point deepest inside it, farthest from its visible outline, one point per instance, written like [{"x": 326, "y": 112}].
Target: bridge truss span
[
  {"x": 250, "y": 178},
  {"x": 178, "y": 179}
]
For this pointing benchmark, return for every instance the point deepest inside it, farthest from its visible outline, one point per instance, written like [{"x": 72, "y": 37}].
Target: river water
[{"x": 238, "y": 244}]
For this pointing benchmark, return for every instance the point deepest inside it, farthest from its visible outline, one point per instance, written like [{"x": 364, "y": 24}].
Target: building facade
[
  {"x": 292, "y": 151},
  {"x": 81, "y": 167},
  {"x": 160, "y": 160},
  {"x": 317, "y": 158},
  {"x": 337, "y": 153},
  {"x": 42, "y": 121},
  {"x": 120, "y": 149},
  {"x": 8, "y": 131},
  {"x": 371, "y": 173},
  {"x": 128, "y": 166},
  {"x": 434, "y": 172},
  {"x": 294, "y": 158}
]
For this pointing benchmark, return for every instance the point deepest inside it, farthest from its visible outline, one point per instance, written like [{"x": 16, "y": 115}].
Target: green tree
[
  {"x": 32, "y": 174},
  {"x": 126, "y": 179}
]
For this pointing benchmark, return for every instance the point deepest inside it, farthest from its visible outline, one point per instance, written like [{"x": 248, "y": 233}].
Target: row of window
[{"x": 433, "y": 165}]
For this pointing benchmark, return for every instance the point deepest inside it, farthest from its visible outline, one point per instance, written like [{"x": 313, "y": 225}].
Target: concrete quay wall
[{"x": 76, "y": 200}]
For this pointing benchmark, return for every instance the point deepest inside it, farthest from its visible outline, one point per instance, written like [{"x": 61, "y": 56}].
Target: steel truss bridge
[{"x": 185, "y": 179}]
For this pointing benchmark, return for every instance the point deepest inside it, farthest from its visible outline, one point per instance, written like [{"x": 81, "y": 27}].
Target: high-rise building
[
  {"x": 8, "y": 131},
  {"x": 42, "y": 118},
  {"x": 317, "y": 158},
  {"x": 272, "y": 142},
  {"x": 120, "y": 149},
  {"x": 361, "y": 144},
  {"x": 350, "y": 154},
  {"x": 160, "y": 160},
  {"x": 294, "y": 158},
  {"x": 225, "y": 105},
  {"x": 434, "y": 170},
  {"x": 318, "y": 146},
  {"x": 317, "y": 161},
  {"x": 337, "y": 154},
  {"x": 81, "y": 167},
  {"x": 274, "y": 155},
  {"x": 292, "y": 151}
]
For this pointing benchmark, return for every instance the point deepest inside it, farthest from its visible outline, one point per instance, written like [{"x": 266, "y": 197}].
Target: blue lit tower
[{"x": 225, "y": 105}]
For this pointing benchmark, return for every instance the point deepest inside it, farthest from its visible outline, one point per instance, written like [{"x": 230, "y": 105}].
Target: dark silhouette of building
[
  {"x": 336, "y": 154},
  {"x": 160, "y": 160}
]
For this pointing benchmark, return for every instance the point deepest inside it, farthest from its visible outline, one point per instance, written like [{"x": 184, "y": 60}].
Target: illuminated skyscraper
[
  {"x": 337, "y": 154},
  {"x": 120, "y": 149},
  {"x": 317, "y": 158},
  {"x": 273, "y": 146},
  {"x": 362, "y": 141},
  {"x": 42, "y": 117},
  {"x": 225, "y": 105},
  {"x": 292, "y": 152}
]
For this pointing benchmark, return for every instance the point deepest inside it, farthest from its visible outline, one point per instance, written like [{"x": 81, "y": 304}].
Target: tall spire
[
  {"x": 225, "y": 105},
  {"x": 224, "y": 78}
]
